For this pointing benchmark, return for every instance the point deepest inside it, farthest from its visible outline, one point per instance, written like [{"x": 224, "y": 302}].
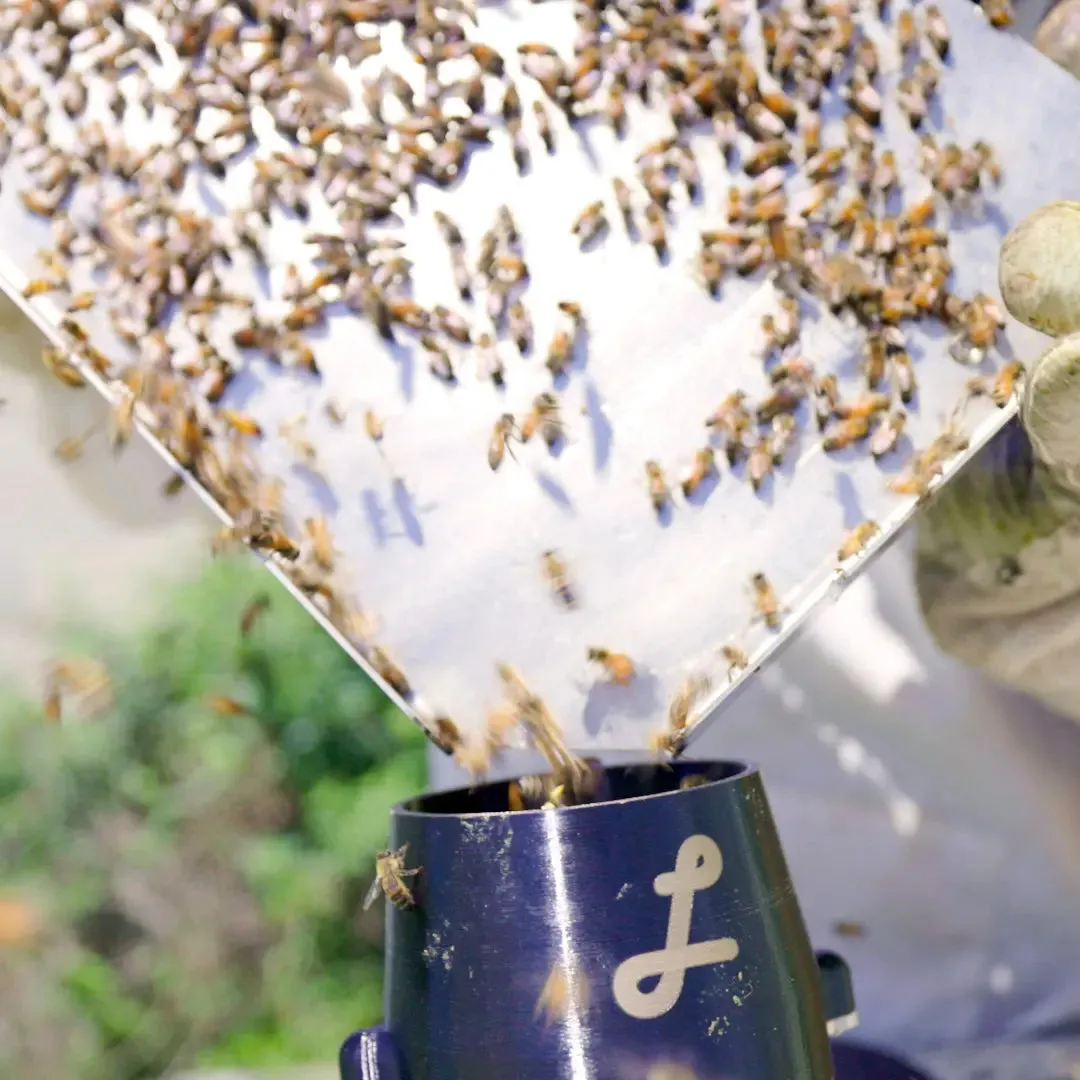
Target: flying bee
[
  {"x": 543, "y": 417},
  {"x": 857, "y": 539},
  {"x": 590, "y": 223},
  {"x": 253, "y": 611},
  {"x": 390, "y": 874},
  {"x": 735, "y": 658},
  {"x": 56, "y": 361},
  {"x": 619, "y": 667},
  {"x": 499, "y": 444},
  {"x": 557, "y": 576},
  {"x": 1005, "y": 383},
  {"x": 71, "y": 448},
  {"x": 826, "y": 398},
  {"x": 937, "y": 30},
  {"x": 887, "y": 433},
  {"x": 565, "y": 991},
  {"x": 766, "y": 605},
  {"x": 659, "y": 492},
  {"x": 704, "y": 466},
  {"x": 845, "y": 432}
]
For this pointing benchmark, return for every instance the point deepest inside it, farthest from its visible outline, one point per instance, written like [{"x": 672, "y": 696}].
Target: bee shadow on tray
[
  {"x": 376, "y": 516},
  {"x": 317, "y": 487},
  {"x": 554, "y": 491},
  {"x": 699, "y": 494},
  {"x": 582, "y": 128},
  {"x": 848, "y": 497},
  {"x": 599, "y": 427},
  {"x": 895, "y": 459},
  {"x": 406, "y": 509},
  {"x": 606, "y": 699},
  {"x": 214, "y": 206}
]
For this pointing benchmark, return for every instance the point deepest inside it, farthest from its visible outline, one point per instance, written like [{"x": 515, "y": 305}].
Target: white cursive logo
[{"x": 698, "y": 866}]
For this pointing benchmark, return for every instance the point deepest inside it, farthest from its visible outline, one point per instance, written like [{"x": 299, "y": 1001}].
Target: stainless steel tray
[{"x": 446, "y": 553}]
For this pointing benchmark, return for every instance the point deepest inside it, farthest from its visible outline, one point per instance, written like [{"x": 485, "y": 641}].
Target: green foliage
[{"x": 199, "y": 876}]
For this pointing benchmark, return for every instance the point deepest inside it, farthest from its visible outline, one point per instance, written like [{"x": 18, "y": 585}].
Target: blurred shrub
[{"x": 180, "y": 886}]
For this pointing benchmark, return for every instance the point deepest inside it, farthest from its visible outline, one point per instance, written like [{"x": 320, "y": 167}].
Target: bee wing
[{"x": 373, "y": 893}]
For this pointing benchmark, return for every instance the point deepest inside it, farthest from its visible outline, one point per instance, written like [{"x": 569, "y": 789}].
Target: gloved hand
[
  {"x": 998, "y": 565},
  {"x": 998, "y": 562}
]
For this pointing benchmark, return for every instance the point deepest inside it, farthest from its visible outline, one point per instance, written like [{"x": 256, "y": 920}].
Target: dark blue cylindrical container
[{"x": 650, "y": 935}]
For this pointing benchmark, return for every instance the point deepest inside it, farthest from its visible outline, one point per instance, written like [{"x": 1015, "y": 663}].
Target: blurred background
[{"x": 184, "y": 857}]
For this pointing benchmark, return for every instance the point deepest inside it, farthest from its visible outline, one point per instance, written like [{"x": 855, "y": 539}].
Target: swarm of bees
[{"x": 827, "y": 221}]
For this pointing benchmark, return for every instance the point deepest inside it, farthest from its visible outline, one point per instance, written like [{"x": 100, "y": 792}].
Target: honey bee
[
  {"x": 918, "y": 213},
  {"x": 937, "y": 30},
  {"x": 565, "y": 991},
  {"x": 760, "y": 463},
  {"x": 767, "y": 154},
  {"x": 845, "y": 432},
  {"x": 655, "y": 232},
  {"x": 785, "y": 398},
  {"x": 918, "y": 478},
  {"x": 906, "y": 36},
  {"x": 886, "y": 174},
  {"x": 735, "y": 657},
  {"x": 390, "y": 874},
  {"x": 857, "y": 539},
  {"x": 499, "y": 445},
  {"x": 619, "y": 667},
  {"x": 543, "y": 125},
  {"x": 373, "y": 426},
  {"x": 560, "y": 352},
  {"x": 849, "y": 928},
  {"x": 685, "y": 784},
  {"x": 226, "y": 706},
  {"x": 659, "y": 492},
  {"x": 704, "y": 466},
  {"x": 624, "y": 201},
  {"x": 678, "y": 718},
  {"x": 874, "y": 366},
  {"x": 241, "y": 422},
  {"x": 887, "y": 433},
  {"x": 322, "y": 543},
  {"x": 825, "y": 163},
  {"x": 253, "y": 611},
  {"x": 766, "y": 605},
  {"x": 121, "y": 420},
  {"x": 1005, "y": 383},
  {"x": 781, "y": 436},
  {"x": 390, "y": 673},
  {"x": 557, "y": 575},
  {"x": 904, "y": 371},
  {"x": 56, "y": 361},
  {"x": 520, "y": 326},
  {"x": 439, "y": 363},
  {"x": 826, "y": 398},
  {"x": 543, "y": 417},
  {"x": 866, "y": 407},
  {"x": 71, "y": 448},
  {"x": 1000, "y": 13},
  {"x": 810, "y": 129}
]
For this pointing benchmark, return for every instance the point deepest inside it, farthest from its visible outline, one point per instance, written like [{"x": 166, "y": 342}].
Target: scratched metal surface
[{"x": 446, "y": 554}]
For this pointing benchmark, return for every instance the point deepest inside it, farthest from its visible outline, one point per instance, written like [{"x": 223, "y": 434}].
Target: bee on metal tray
[
  {"x": 857, "y": 539},
  {"x": 766, "y": 604},
  {"x": 499, "y": 444},
  {"x": 557, "y": 576},
  {"x": 659, "y": 492},
  {"x": 619, "y": 666}
]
